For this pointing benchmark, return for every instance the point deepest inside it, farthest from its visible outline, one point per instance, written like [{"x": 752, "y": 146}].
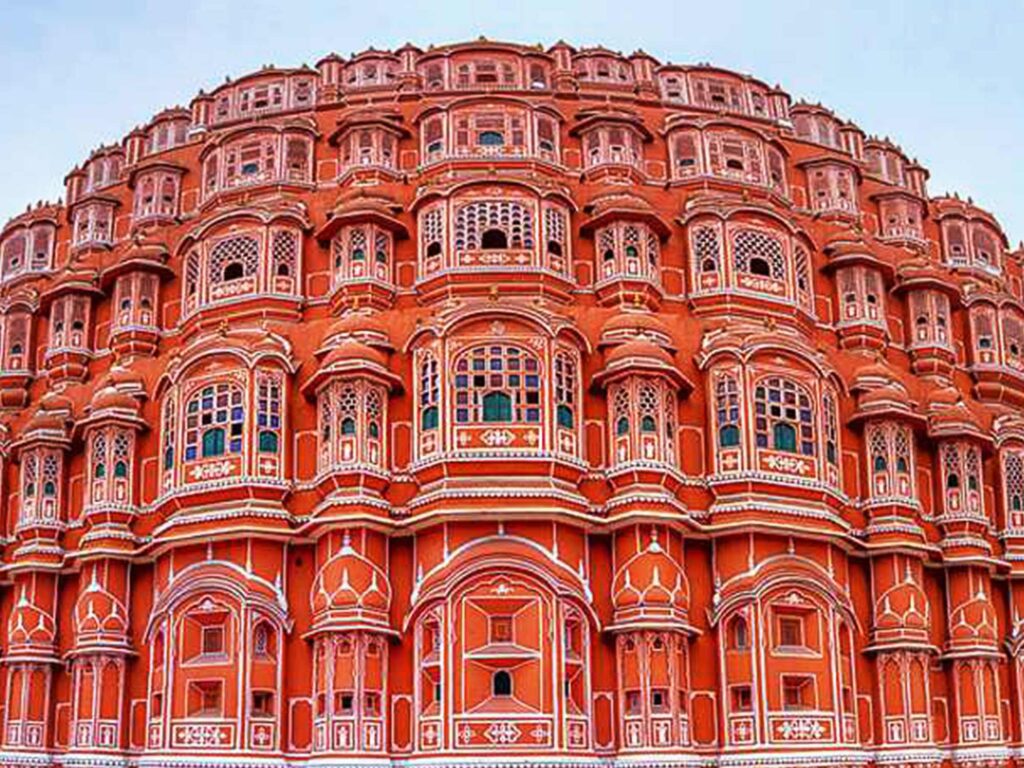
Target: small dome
[
  {"x": 639, "y": 352},
  {"x": 651, "y": 585},
  {"x": 53, "y": 413},
  {"x": 629, "y": 325},
  {"x": 350, "y": 588},
  {"x": 367, "y": 327},
  {"x": 352, "y": 351},
  {"x": 112, "y": 398},
  {"x": 98, "y": 612}
]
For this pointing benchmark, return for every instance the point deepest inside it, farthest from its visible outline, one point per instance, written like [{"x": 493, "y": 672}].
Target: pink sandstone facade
[{"x": 492, "y": 405}]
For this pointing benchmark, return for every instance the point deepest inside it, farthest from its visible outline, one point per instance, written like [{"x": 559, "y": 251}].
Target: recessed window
[
  {"x": 729, "y": 436},
  {"x": 501, "y": 629},
  {"x": 344, "y": 703},
  {"x": 212, "y": 641},
  {"x": 739, "y": 634},
  {"x": 205, "y": 698},
  {"x": 371, "y": 704},
  {"x": 797, "y": 693},
  {"x": 501, "y": 683},
  {"x": 491, "y": 139},
  {"x": 262, "y": 704},
  {"x": 633, "y": 706},
  {"x": 659, "y": 700},
  {"x": 741, "y": 699},
  {"x": 493, "y": 239},
  {"x": 791, "y": 632}
]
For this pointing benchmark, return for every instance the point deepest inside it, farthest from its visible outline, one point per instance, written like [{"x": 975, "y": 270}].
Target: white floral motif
[
  {"x": 502, "y": 733},
  {"x": 498, "y": 437},
  {"x": 787, "y": 464},
  {"x": 801, "y": 730}
]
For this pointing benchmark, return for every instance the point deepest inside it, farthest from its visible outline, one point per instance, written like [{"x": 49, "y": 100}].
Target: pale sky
[{"x": 943, "y": 79}]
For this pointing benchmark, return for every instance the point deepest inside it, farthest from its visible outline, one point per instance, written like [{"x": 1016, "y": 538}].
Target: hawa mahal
[{"x": 493, "y": 405}]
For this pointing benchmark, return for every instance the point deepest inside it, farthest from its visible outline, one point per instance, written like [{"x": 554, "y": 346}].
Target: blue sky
[{"x": 941, "y": 78}]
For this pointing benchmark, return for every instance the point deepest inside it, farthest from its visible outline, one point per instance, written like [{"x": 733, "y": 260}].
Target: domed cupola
[
  {"x": 31, "y": 629},
  {"x": 650, "y": 590},
  {"x": 101, "y": 618},
  {"x": 350, "y": 592},
  {"x": 629, "y": 325},
  {"x": 365, "y": 326}
]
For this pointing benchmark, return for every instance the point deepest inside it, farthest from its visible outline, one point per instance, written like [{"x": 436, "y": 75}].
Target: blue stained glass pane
[
  {"x": 762, "y": 441},
  {"x": 496, "y": 364},
  {"x": 532, "y": 415},
  {"x": 190, "y": 453},
  {"x": 478, "y": 364},
  {"x": 513, "y": 380},
  {"x": 461, "y": 414},
  {"x": 261, "y": 420},
  {"x": 236, "y": 446},
  {"x": 532, "y": 381},
  {"x": 461, "y": 381},
  {"x": 237, "y": 414},
  {"x": 222, "y": 416},
  {"x": 275, "y": 421},
  {"x": 207, "y": 402}
]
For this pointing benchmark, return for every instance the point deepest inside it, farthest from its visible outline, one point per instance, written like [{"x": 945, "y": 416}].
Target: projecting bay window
[
  {"x": 93, "y": 225},
  {"x": 27, "y": 250},
  {"x": 259, "y": 157},
  {"x": 960, "y": 474}
]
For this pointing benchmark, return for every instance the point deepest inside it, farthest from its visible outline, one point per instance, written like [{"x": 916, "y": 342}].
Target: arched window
[
  {"x": 268, "y": 412},
  {"x": 497, "y": 382},
  {"x": 565, "y": 390},
  {"x": 493, "y": 239},
  {"x": 491, "y": 139},
  {"x": 497, "y": 407},
  {"x": 784, "y": 436},
  {"x": 739, "y": 634},
  {"x": 784, "y": 417},
  {"x": 1013, "y": 487},
  {"x": 727, "y": 411},
  {"x": 501, "y": 683},
  {"x": 214, "y": 422},
  {"x": 234, "y": 258},
  {"x": 429, "y": 394},
  {"x": 758, "y": 253},
  {"x": 213, "y": 442},
  {"x": 483, "y": 219}
]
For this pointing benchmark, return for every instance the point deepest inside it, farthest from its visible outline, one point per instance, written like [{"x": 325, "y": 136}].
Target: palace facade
[{"x": 492, "y": 405}]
